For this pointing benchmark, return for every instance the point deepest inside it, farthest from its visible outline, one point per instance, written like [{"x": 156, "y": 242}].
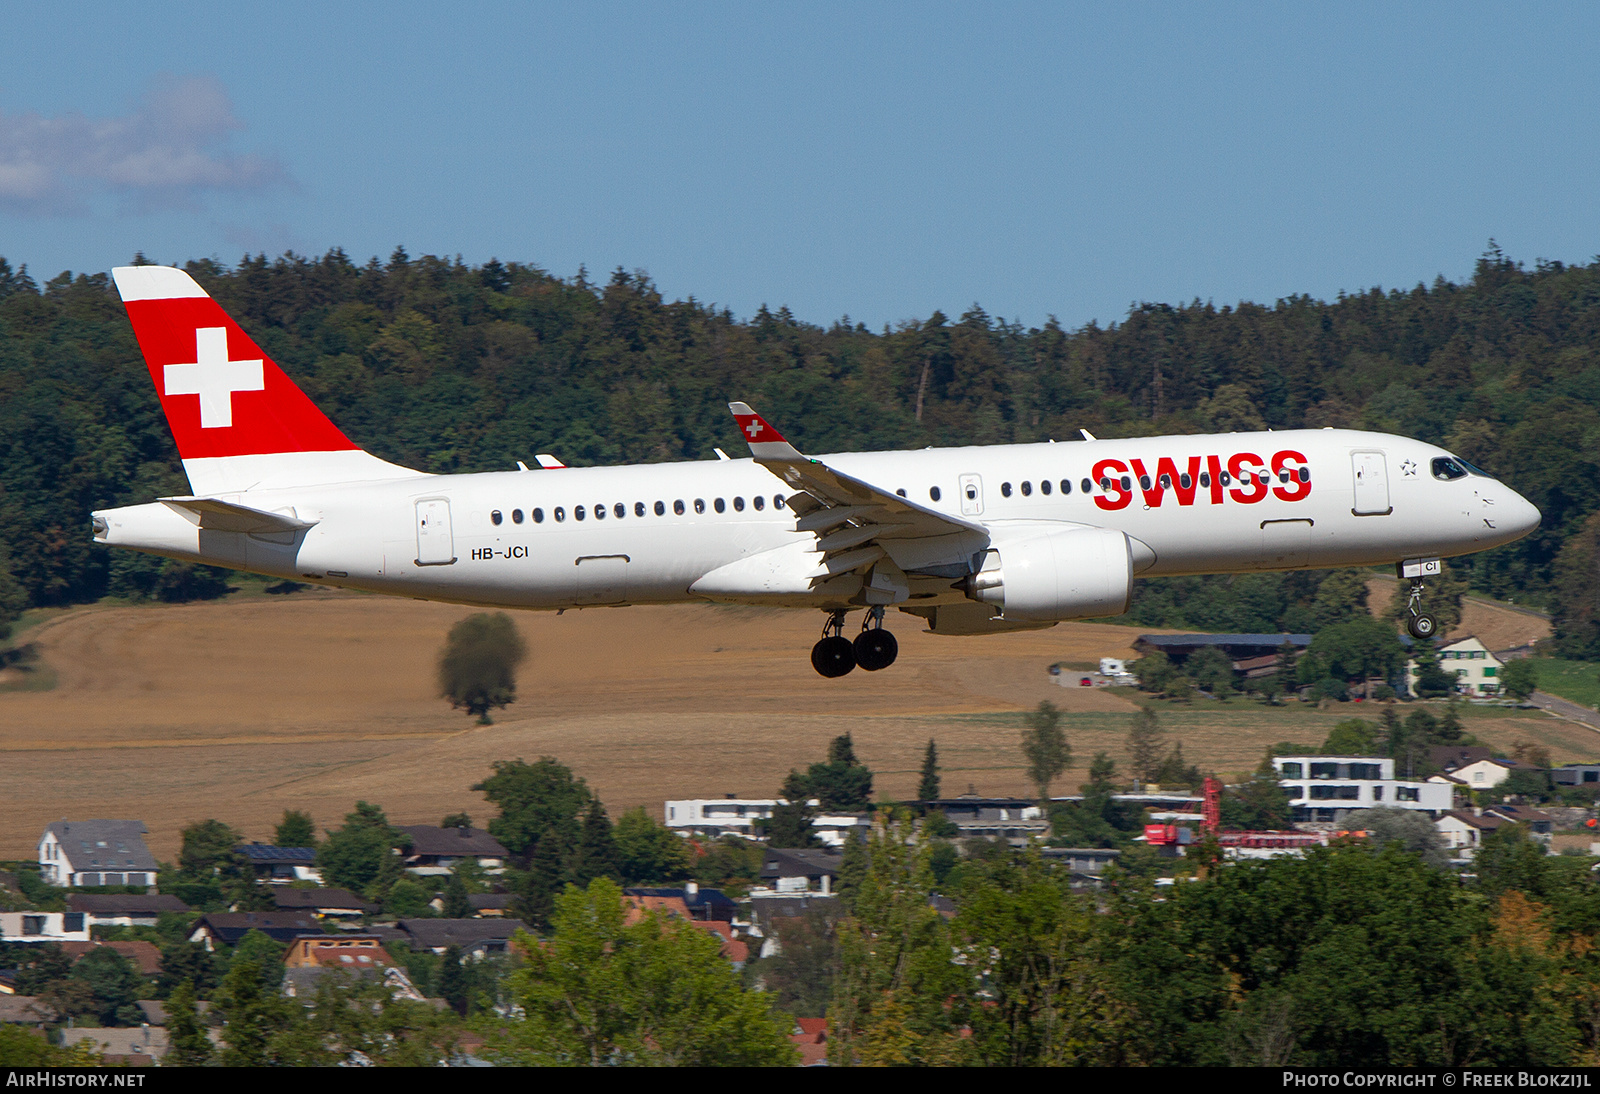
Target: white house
[
  {"x": 43, "y": 927},
  {"x": 1477, "y": 670},
  {"x": 738, "y": 817},
  {"x": 96, "y": 852},
  {"x": 1463, "y": 832},
  {"x": 1325, "y": 788}
]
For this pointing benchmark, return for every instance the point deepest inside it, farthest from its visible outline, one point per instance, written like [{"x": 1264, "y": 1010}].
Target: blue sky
[{"x": 880, "y": 160}]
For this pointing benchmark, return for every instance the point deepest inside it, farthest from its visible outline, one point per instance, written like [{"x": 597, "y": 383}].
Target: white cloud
[{"x": 167, "y": 153}]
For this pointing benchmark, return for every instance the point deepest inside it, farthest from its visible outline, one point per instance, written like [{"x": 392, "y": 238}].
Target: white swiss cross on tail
[
  {"x": 213, "y": 377},
  {"x": 765, "y": 442}
]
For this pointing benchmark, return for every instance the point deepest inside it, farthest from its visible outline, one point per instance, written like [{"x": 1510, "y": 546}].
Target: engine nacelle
[{"x": 1069, "y": 573}]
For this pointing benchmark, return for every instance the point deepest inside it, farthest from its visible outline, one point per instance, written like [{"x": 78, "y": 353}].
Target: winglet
[
  {"x": 549, "y": 462},
  {"x": 766, "y": 443}
]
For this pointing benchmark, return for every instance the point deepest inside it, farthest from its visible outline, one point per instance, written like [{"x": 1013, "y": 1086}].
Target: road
[{"x": 1565, "y": 708}]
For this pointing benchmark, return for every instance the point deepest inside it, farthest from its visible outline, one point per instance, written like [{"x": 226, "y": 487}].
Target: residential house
[
  {"x": 24, "y": 1010},
  {"x": 434, "y": 852},
  {"x": 43, "y": 927},
  {"x": 692, "y": 901},
  {"x": 1325, "y": 788},
  {"x": 227, "y": 928},
  {"x": 123, "y": 909},
  {"x": 130, "y": 1046},
  {"x": 474, "y": 936},
  {"x": 337, "y": 904},
  {"x": 810, "y": 1036},
  {"x": 496, "y": 904},
  {"x": 1576, "y": 775},
  {"x": 675, "y": 904},
  {"x": 801, "y": 870},
  {"x": 1015, "y": 820},
  {"x": 96, "y": 852},
  {"x": 142, "y": 955},
  {"x": 1484, "y": 774},
  {"x": 1463, "y": 831},
  {"x": 1540, "y": 824},
  {"x": 1477, "y": 670},
  {"x": 310, "y": 958},
  {"x": 281, "y": 865}
]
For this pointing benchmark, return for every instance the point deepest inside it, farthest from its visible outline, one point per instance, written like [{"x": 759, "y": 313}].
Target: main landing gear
[{"x": 873, "y": 649}]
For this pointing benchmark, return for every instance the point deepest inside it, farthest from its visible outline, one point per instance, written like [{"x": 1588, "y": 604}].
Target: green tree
[
  {"x": 790, "y": 823},
  {"x": 843, "y": 784},
  {"x": 649, "y": 853},
  {"x": 457, "y": 902},
  {"x": 1258, "y": 804},
  {"x": 252, "y": 1013},
  {"x": 656, "y": 992},
  {"x": 799, "y": 977},
  {"x": 1432, "y": 681},
  {"x": 1359, "y": 649},
  {"x": 928, "y": 787},
  {"x": 362, "y": 855},
  {"x": 408, "y": 899},
  {"x": 1045, "y": 747},
  {"x": 1211, "y": 669},
  {"x": 1413, "y": 831},
  {"x": 295, "y": 830},
  {"x": 1341, "y": 597},
  {"x": 535, "y": 799},
  {"x": 478, "y": 668},
  {"x": 1520, "y": 678},
  {"x": 187, "y": 1043},
  {"x": 1576, "y": 594},
  {"x": 1351, "y": 737},
  {"x": 455, "y": 985},
  {"x": 597, "y": 848},
  {"x": 1146, "y": 744},
  {"x": 209, "y": 852},
  {"x": 114, "y": 984}
]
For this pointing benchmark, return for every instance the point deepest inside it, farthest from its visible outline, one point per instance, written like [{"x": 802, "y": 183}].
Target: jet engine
[{"x": 1065, "y": 573}]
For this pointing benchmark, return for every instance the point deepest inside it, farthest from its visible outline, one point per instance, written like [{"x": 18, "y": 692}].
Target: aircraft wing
[{"x": 859, "y": 527}]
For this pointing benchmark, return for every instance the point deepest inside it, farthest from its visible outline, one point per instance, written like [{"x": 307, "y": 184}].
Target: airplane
[{"x": 972, "y": 540}]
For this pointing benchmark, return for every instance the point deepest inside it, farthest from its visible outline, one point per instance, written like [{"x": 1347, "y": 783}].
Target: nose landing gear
[
  {"x": 1421, "y": 624},
  {"x": 874, "y": 648}
]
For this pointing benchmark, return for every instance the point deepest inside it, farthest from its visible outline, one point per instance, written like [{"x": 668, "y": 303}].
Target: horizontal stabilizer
[{"x": 227, "y": 516}]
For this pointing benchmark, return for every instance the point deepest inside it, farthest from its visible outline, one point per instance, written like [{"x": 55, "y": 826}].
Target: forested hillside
[{"x": 451, "y": 367}]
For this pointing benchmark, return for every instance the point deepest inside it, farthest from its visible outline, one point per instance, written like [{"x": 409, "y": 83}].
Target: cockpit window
[
  {"x": 1480, "y": 472},
  {"x": 1448, "y": 468}
]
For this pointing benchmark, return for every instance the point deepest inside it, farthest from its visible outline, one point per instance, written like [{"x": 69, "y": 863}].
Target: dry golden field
[{"x": 242, "y": 708}]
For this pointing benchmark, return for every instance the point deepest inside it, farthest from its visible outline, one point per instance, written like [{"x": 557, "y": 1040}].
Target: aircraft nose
[{"x": 1523, "y": 515}]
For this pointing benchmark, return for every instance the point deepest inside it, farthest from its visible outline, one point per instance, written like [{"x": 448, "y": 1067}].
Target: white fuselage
[{"x": 1365, "y": 498}]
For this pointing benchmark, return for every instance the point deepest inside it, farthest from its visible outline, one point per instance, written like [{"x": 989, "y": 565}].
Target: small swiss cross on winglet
[{"x": 765, "y": 442}]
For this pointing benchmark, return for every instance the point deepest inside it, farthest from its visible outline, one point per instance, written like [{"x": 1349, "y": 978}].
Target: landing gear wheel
[
  {"x": 833, "y": 656},
  {"x": 1422, "y": 626},
  {"x": 876, "y": 649}
]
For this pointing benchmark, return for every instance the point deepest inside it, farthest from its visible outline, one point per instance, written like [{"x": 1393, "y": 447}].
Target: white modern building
[
  {"x": 738, "y": 816},
  {"x": 1325, "y": 788},
  {"x": 1476, "y": 669}
]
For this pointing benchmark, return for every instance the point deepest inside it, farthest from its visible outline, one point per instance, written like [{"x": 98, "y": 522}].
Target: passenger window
[
  {"x": 538, "y": 516},
  {"x": 1088, "y": 486},
  {"x": 738, "y": 505},
  {"x": 621, "y": 510},
  {"x": 1066, "y": 486},
  {"x": 600, "y": 511},
  {"x": 777, "y": 501},
  {"x": 1205, "y": 479},
  {"x": 1166, "y": 482},
  {"x": 1447, "y": 469},
  {"x": 1044, "y": 486},
  {"x": 1005, "y": 492},
  {"x": 901, "y": 492},
  {"x": 494, "y": 517},
  {"x": 577, "y": 512},
  {"x": 561, "y": 514},
  {"x": 1185, "y": 481},
  {"x": 1127, "y": 482},
  {"x": 699, "y": 505},
  {"x": 661, "y": 508},
  {"x": 1027, "y": 489},
  {"x": 516, "y": 516},
  {"x": 1305, "y": 474},
  {"x": 1144, "y": 482},
  {"x": 759, "y": 502},
  {"x": 933, "y": 492},
  {"x": 1224, "y": 478},
  {"x": 638, "y": 508},
  {"x": 720, "y": 506},
  {"x": 677, "y": 507},
  {"x": 1105, "y": 483}
]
